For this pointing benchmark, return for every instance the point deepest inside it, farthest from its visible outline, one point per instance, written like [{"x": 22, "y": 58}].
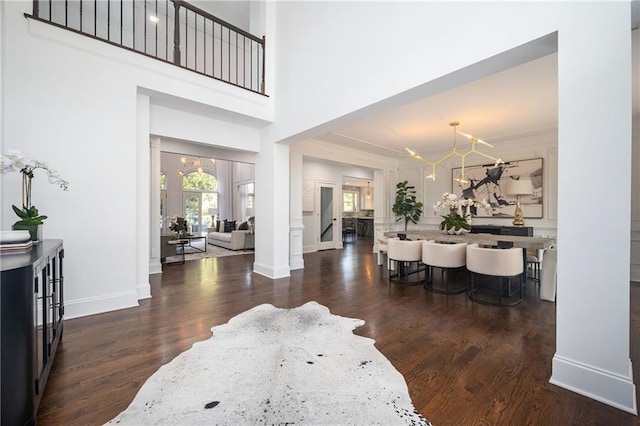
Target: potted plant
[
  {"x": 459, "y": 218},
  {"x": 406, "y": 207},
  {"x": 30, "y": 220},
  {"x": 30, "y": 217}
]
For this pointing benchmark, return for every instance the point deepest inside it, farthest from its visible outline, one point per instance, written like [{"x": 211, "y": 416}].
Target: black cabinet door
[{"x": 17, "y": 340}]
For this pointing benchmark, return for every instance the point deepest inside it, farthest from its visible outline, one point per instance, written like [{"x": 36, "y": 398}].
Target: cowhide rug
[{"x": 277, "y": 366}]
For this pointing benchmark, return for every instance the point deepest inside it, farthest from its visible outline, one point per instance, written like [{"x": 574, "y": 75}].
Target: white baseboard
[
  {"x": 155, "y": 268},
  {"x": 273, "y": 273},
  {"x": 611, "y": 389},
  {"x": 297, "y": 263},
  {"x": 96, "y": 305},
  {"x": 144, "y": 291}
]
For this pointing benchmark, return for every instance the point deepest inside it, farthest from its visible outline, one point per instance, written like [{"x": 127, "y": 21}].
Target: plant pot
[
  {"x": 34, "y": 230},
  {"x": 453, "y": 231}
]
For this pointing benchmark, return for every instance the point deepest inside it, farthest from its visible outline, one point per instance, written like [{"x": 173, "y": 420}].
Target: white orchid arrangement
[
  {"x": 15, "y": 161},
  {"x": 459, "y": 210}
]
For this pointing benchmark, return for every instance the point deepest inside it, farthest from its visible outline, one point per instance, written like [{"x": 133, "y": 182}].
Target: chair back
[
  {"x": 382, "y": 240},
  {"x": 404, "y": 250},
  {"x": 494, "y": 262},
  {"x": 444, "y": 255}
]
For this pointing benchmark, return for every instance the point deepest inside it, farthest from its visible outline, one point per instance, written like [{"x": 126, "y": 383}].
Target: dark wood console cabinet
[
  {"x": 31, "y": 324},
  {"x": 521, "y": 231}
]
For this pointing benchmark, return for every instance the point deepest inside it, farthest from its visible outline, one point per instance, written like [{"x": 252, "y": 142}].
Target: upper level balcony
[{"x": 172, "y": 31}]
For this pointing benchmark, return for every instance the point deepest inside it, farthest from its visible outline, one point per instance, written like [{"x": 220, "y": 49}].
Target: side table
[
  {"x": 180, "y": 252},
  {"x": 249, "y": 241}
]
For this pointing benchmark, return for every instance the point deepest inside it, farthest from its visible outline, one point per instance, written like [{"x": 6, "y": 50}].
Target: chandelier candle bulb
[{"x": 455, "y": 153}]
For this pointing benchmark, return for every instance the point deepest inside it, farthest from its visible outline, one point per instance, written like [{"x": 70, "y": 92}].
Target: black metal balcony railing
[{"x": 172, "y": 31}]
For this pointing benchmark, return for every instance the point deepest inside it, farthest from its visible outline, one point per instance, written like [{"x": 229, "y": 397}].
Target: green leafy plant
[
  {"x": 406, "y": 207},
  {"x": 14, "y": 161},
  {"x": 455, "y": 221},
  {"x": 28, "y": 216}
]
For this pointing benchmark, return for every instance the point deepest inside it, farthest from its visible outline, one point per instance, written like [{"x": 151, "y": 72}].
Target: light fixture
[
  {"x": 368, "y": 190},
  {"x": 213, "y": 212},
  {"x": 196, "y": 163},
  {"x": 462, "y": 179},
  {"x": 518, "y": 187}
]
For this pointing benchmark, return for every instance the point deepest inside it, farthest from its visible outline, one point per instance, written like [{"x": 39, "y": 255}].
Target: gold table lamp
[{"x": 518, "y": 187}]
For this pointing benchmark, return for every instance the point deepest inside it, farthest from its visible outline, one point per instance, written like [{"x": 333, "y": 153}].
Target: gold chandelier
[
  {"x": 195, "y": 163},
  {"x": 455, "y": 153}
]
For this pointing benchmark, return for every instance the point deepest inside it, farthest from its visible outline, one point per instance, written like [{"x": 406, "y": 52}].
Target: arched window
[{"x": 199, "y": 200}]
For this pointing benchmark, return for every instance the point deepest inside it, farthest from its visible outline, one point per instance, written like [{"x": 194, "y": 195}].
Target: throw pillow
[
  {"x": 221, "y": 225},
  {"x": 229, "y": 225},
  {"x": 244, "y": 226}
]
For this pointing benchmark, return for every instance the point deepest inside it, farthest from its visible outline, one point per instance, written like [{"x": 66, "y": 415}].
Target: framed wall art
[{"x": 488, "y": 181}]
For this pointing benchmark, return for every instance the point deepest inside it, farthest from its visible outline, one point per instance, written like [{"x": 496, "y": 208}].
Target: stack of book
[{"x": 16, "y": 247}]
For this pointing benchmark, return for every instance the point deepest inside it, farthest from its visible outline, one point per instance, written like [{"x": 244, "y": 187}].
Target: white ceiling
[
  {"x": 502, "y": 107},
  {"x": 521, "y": 100}
]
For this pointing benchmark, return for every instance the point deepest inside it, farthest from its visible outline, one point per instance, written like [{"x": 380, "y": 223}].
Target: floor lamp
[{"x": 518, "y": 187}]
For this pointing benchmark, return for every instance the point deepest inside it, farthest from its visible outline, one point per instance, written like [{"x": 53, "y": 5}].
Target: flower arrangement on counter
[
  {"x": 179, "y": 226},
  {"x": 14, "y": 161},
  {"x": 459, "y": 218}
]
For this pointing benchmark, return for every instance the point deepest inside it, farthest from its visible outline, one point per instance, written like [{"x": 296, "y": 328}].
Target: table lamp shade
[
  {"x": 213, "y": 211},
  {"x": 519, "y": 187}
]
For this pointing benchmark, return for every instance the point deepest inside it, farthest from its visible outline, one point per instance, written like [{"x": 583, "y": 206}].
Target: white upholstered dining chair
[
  {"x": 405, "y": 261},
  {"x": 446, "y": 257},
  {"x": 504, "y": 264}
]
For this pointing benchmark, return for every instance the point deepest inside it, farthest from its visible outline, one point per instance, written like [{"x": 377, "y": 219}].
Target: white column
[
  {"x": 296, "y": 241},
  {"x": 594, "y": 169},
  {"x": 272, "y": 211},
  {"x": 155, "y": 267},
  {"x": 142, "y": 197},
  {"x": 380, "y": 200}
]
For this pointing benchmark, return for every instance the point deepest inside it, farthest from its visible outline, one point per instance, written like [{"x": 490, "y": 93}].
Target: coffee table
[
  {"x": 181, "y": 243},
  {"x": 191, "y": 237}
]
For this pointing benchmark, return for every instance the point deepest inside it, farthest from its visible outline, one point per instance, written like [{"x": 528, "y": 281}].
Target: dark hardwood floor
[{"x": 464, "y": 363}]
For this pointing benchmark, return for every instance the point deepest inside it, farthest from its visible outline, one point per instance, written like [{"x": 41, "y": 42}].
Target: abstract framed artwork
[{"x": 488, "y": 181}]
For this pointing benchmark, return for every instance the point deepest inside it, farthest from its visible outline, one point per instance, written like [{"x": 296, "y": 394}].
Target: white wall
[
  {"x": 72, "y": 101},
  {"x": 543, "y": 145},
  {"x": 424, "y": 48}
]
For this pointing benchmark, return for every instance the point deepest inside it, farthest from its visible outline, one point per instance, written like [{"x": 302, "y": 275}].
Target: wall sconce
[{"x": 518, "y": 187}]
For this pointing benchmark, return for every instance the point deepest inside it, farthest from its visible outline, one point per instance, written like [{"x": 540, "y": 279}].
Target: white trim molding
[
  {"x": 95, "y": 305},
  {"x": 606, "y": 387}
]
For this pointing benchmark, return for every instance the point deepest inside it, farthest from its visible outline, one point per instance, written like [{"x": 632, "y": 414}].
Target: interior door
[{"x": 327, "y": 217}]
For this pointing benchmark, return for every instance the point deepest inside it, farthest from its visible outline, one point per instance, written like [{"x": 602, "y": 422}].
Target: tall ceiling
[{"x": 518, "y": 101}]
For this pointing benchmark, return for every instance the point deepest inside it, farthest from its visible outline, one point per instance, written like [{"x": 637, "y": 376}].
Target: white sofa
[{"x": 234, "y": 240}]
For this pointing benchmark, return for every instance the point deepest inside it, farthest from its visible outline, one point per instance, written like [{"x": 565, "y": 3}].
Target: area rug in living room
[
  {"x": 277, "y": 366},
  {"x": 196, "y": 252}
]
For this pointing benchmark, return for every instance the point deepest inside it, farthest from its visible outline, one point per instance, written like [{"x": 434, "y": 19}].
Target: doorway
[{"x": 327, "y": 220}]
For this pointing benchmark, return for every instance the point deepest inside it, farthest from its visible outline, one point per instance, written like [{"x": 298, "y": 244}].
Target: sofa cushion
[{"x": 223, "y": 236}]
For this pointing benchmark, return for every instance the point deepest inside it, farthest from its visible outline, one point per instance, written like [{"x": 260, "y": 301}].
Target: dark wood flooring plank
[{"x": 464, "y": 363}]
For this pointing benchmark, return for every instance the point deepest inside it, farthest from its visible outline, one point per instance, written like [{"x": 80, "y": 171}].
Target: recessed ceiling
[{"x": 518, "y": 101}]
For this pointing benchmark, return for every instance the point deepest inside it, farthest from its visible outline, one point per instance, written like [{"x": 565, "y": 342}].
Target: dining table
[{"x": 492, "y": 240}]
